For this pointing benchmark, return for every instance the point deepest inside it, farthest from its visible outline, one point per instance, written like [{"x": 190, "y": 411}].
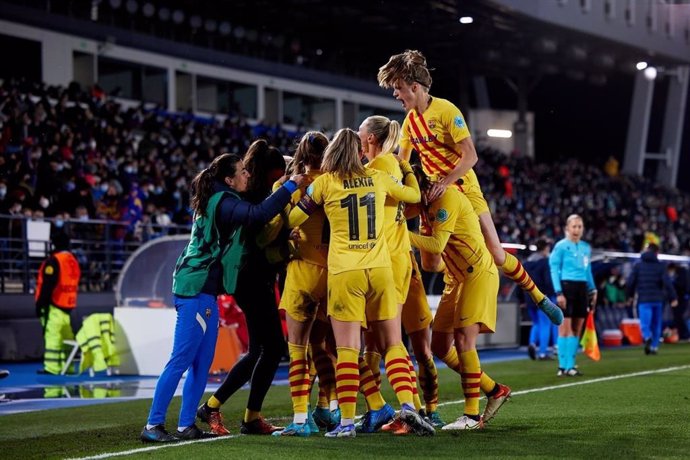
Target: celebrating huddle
[{"x": 352, "y": 280}]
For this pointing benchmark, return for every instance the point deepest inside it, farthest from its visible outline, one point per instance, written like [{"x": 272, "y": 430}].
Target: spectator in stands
[
  {"x": 208, "y": 266},
  {"x": 537, "y": 265},
  {"x": 653, "y": 288},
  {"x": 680, "y": 278},
  {"x": 56, "y": 298}
]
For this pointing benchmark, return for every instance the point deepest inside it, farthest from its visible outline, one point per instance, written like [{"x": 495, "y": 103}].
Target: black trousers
[{"x": 255, "y": 295}]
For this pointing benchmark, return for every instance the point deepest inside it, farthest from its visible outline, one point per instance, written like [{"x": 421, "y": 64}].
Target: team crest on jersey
[
  {"x": 432, "y": 123},
  {"x": 459, "y": 122},
  {"x": 442, "y": 215}
]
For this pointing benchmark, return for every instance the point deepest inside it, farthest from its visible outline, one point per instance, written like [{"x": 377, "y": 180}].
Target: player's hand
[
  {"x": 436, "y": 191},
  {"x": 295, "y": 234},
  {"x": 301, "y": 179},
  {"x": 593, "y": 300},
  {"x": 560, "y": 301}
]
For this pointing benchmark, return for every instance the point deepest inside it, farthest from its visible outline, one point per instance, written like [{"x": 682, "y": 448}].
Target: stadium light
[
  {"x": 466, "y": 20},
  {"x": 502, "y": 133},
  {"x": 641, "y": 65},
  {"x": 178, "y": 16},
  {"x": 650, "y": 73},
  {"x": 148, "y": 10},
  {"x": 164, "y": 14},
  {"x": 132, "y": 6},
  {"x": 225, "y": 28}
]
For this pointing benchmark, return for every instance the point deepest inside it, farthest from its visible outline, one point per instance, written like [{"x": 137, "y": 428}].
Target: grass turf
[{"x": 643, "y": 416}]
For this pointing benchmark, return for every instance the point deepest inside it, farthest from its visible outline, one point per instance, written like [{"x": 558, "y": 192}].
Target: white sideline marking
[
  {"x": 514, "y": 393},
  {"x": 584, "y": 382}
]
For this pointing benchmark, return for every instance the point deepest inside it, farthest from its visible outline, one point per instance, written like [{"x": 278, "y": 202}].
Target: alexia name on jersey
[{"x": 355, "y": 182}]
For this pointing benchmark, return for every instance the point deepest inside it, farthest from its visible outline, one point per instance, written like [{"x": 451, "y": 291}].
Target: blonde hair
[
  {"x": 573, "y": 217},
  {"x": 386, "y": 132},
  {"x": 342, "y": 155},
  {"x": 309, "y": 152},
  {"x": 409, "y": 67}
]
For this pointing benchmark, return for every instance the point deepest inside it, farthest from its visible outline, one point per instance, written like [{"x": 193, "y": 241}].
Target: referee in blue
[
  {"x": 571, "y": 274},
  {"x": 207, "y": 267}
]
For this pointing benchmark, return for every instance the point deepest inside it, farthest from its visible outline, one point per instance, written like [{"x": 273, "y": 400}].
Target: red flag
[{"x": 589, "y": 339}]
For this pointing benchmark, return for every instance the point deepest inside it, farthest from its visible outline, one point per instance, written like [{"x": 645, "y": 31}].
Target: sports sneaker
[
  {"x": 532, "y": 351},
  {"x": 321, "y": 416},
  {"x": 156, "y": 434},
  {"x": 340, "y": 431},
  {"x": 552, "y": 310},
  {"x": 258, "y": 426},
  {"x": 193, "y": 432},
  {"x": 373, "y": 420},
  {"x": 313, "y": 427},
  {"x": 493, "y": 403},
  {"x": 213, "y": 418},
  {"x": 434, "y": 419},
  {"x": 573, "y": 373},
  {"x": 464, "y": 423},
  {"x": 403, "y": 429},
  {"x": 393, "y": 425},
  {"x": 296, "y": 429},
  {"x": 416, "y": 422},
  {"x": 648, "y": 346},
  {"x": 561, "y": 372}
]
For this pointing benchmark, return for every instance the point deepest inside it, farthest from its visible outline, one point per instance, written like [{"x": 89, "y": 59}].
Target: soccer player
[
  {"x": 436, "y": 129},
  {"x": 207, "y": 266},
  {"x": 379, "y": 137},
  {"x": 457, "y": 237},
  {"x": 571, "y": 274},
  {"x": 360, "y": 280},
  {"x": 304, "y": 295},
  {"x": 256, "y": 297}
]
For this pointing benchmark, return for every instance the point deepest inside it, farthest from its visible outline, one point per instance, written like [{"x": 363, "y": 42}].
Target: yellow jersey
[
  {"x": 433, "y": 135},
  {"x": 395, "y": 224},
  {"x": 355, "y": 208},
  {"x": 456, "y": 234}
]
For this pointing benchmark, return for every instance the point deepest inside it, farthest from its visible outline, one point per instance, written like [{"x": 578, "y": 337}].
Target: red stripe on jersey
[
  {"x": 436, "y": 141},
  {"x": 456, "y": 253},
  {"x": 432, "y": 151},
  {"x": 464, "y": 243},
  {"x": 451, "y": 263}
]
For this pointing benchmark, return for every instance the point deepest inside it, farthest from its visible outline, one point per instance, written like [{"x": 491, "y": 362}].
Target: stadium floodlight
[
  {"x": 148, "y": 10},
  {"x": 225, "y": 28},
  {"x": 210, "y": 25},
  {"x": 115, "y": 4},
  {"x": 650, "y": 73},
  {"x": 178, "y": 16},
  {"x": 132, "y": 6},
  {"x": 466, "y": 20},
  {"x": 502, "y": 133},
  {"x": 195, "y": 21},
  {"x": 641, "y": 65},
  {"x": 164, "y": 14},
  {"x": 239, "y": 32}
]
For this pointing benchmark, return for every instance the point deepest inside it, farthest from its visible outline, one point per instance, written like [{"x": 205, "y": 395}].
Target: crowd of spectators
[{"x": 73, "y": 154}]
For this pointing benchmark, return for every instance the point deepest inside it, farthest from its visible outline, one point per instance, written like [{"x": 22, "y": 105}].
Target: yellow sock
[
  {"x": 251, "y": 415},
  {"x": 368, "y": 386},
  {"x": 214, "y": 403},
  {"x": 398, "y": 373},
  {"x": 486, "y": 383},
  {"x": 373, "y": 359},
  {"x": 298, "y": 377},
  {"x": 471, "y": 376},
  {"x": 325, "y": 368},
  {"x": 415, "y": 391},
  {"x": 347, "y": 381},
  {"x": 451, "y": 359},
  {"x": 514, "y": 270},
  {"x": 428, "y": 381}
]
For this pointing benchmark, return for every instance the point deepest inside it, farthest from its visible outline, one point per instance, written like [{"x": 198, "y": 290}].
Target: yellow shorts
[
  {"x": 304, "y": 295},
  {"x": 474, "y": 303},
  {"x": 443, "y": 320},
  {"x": 476, "y": 197},
  {"x": 416, "y": 314},
  {"x": 362, "y": 295},
  {"x": 402, "y": 272}
]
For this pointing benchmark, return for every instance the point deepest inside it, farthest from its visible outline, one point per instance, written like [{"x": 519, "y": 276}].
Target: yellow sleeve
[
  {"x": 308, "y": 204},
  {"x": 445, "y": 211},
  {"x": 433, "y": 244},
  {"x": 454, "y": 122},
  {"x": 271, "y": 230},
  {"x": 407, "y": 192},
  {"x": 405, "y": 142}
]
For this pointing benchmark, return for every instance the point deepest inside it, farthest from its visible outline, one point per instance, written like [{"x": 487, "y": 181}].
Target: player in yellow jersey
[
  {"x": 360, "y": 279},
  {"x": 436, "y": 129},
  {"x": 379, "y": 137},
  {"x": 304, "y": 295},
  {"x": 457, "y": 237}
]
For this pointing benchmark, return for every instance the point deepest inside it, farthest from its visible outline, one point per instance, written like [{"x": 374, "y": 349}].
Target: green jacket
[{"x": 205, "y": 247}]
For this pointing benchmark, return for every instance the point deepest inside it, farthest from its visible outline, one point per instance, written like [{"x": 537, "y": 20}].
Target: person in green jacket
[{"x": 207, "y": 267}]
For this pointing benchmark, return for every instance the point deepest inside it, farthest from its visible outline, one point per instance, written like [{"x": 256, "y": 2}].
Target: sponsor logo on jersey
[
  {"x": 459, "y": 122},
  {"x": 442, "y": 215}
]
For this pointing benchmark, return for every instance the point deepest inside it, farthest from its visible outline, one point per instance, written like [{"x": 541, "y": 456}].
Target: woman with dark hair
[
  {"x": 209, "y": 265},
  {"x": 256, "y": 297}
]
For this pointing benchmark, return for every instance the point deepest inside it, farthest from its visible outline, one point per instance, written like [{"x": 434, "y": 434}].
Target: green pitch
[{"x": 634, "y": 406}]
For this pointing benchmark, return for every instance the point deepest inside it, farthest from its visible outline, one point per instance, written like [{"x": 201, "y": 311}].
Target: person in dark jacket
[
  {"x": 208, "y": 266},
  {"x": 653, "y": 287},
  {"x": 537, "y": 265},
  {"x": 680, "y": 278}
]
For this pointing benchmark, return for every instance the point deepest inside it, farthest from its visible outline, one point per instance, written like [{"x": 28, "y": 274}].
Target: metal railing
[{"x": 101, "y": 246}]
